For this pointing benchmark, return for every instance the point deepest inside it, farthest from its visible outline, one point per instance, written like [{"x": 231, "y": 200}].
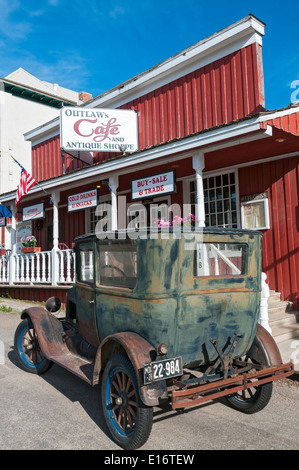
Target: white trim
[
  {"x": 228, "y": 40},
  {"x": 236, "y": 36},
  {"x": 279, "y": 113},
  {"x": 213, "y": 139},
  {"x": 266, "y": 212}
]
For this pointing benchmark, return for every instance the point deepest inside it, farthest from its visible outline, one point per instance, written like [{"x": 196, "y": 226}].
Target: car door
[{"x": 85, "y": 293}]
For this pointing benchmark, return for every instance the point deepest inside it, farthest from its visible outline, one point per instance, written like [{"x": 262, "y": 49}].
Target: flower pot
[{"x": 31, "y": 249}]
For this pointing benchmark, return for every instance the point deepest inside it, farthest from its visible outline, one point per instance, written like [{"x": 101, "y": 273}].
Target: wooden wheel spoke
[
  {"x": 131, "y": 393},
  {"x": 29, "y": 332},
  {"x": 130, "y": 421},
  {"x": 120, "y": 416},
  {"x": 132, "y": 412},
  {"x": 128, "y": 386},
  {"x": 123, "y": 381},
  {"x": 132, "y": 403},
  {"x": 115, "y": 386},
  {"x": 119, "y": 380}
]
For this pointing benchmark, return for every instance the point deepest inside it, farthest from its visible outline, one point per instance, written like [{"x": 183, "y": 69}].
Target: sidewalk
[{"x": 289, "y": 349}]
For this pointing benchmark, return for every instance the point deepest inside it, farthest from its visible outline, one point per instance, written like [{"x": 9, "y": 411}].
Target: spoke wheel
[
  {"x": 128, "y": 420},
  {"x": 253, "y": 399},
  {"x": 28, "y": 350}
]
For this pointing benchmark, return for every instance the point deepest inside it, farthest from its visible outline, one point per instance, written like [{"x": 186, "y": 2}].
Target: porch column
[
  {"x": 55, "y": 197},
  {"x": 198, "y": 161},
  {"x": 13, "y": 243},
  {"x": 113, "y": 184},
  {"x": 264, "y": 316}
]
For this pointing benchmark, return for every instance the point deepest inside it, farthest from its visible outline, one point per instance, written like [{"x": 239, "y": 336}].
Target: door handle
[{"x": 91, "y": 301}]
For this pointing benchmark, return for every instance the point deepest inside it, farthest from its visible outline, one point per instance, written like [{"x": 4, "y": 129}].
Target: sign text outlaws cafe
[{"x": 94, "y": 130}]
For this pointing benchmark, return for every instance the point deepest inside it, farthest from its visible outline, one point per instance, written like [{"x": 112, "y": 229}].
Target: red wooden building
[{"x": 202, "y": 114}]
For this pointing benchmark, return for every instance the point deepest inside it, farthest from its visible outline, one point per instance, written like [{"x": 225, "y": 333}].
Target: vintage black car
[{"x": 159, "y": 316}]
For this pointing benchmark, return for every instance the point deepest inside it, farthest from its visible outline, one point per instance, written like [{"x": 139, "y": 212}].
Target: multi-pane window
[
  {"x": 220, "y": 200},
  {"x": 101, "y": 214}
]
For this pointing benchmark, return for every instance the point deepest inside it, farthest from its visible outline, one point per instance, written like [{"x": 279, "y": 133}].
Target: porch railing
[{"x": 53, "y": 267}]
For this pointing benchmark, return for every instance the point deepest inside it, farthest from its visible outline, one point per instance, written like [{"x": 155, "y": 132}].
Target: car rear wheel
[
  {"x": 253, "y": 399},
  {"x": 28, "y": 350},
  {"x": 128, "y": 419}
]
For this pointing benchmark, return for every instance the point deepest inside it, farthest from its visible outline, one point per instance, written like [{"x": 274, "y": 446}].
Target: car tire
[
  {"x": 128, "y": 419},
  {"x": 28, "y": 351}
]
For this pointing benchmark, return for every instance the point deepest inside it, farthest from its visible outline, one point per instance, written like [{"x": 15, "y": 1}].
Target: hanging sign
[
  {"x": 2, "y": 221},
  {"x": 37, "y": 211},
  {"x": 82, "y": 200},
  {"x": 98, "y": 130},
  {"x": 155, "y": 185}
]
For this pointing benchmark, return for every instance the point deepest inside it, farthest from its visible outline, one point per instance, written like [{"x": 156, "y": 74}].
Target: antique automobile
[{"x": 158, "y": 316}]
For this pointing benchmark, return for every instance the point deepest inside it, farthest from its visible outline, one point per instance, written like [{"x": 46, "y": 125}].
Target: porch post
[
  {"x": 113, "y": 184},
  {"x": 55, "y": 265},
  {"x": 13, "y": 243},
  {"x": 198, "y": 161},
  {"x": 264, "y": 317}
]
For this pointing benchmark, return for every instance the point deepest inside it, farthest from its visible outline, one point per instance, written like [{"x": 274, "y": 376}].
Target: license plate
[{"x": 164, "y": 369}]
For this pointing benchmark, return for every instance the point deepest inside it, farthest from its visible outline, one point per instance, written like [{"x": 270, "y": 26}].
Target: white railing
[
  {"x": 4, "y": 268},
  {"x": 46, "y": 267}
]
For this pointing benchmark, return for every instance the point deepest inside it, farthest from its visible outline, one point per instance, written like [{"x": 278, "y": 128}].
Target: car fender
[
  {"x": 264, "y": 349},
  {"x": 139, "y": 352},
  {"x": 48, "y": 329}
]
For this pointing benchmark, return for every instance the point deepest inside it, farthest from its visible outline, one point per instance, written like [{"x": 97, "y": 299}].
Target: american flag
[{"x": 26, "y": 182}]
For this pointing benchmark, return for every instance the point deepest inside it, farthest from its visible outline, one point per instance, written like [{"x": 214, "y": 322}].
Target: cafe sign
[
  {"x": 37, "y": 211},
  {"x": 98, "y": 130},
  {"x": 155, "y": 185},
  {"x": 82, "y": 200}
]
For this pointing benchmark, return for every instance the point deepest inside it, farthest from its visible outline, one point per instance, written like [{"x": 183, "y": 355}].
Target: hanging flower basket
[
  {"x": 2, "y": 251},
  {"x": 31, "y": 249}
]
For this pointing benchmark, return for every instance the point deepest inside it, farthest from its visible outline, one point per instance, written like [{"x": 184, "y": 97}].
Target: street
[{"x": 59, "y": 411}]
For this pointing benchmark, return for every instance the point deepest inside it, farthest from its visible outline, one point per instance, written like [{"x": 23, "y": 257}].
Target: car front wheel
[
  {"x": 128, "y": 420},
  {"x": 28, "y": 350}
]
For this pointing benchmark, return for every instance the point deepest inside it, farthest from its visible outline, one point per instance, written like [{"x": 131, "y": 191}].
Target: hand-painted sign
[
  {"x": 82, "y": 200},
  {"x": 37, "y": 211},
  {"x": 98, "y": 130},
  {"x": 155, "y": 185}
]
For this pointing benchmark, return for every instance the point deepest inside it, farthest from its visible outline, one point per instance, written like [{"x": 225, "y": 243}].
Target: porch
[{"x": 37, "y": 276}]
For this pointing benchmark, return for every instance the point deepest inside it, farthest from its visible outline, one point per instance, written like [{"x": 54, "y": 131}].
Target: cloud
[{"x": 9, "y": 26}]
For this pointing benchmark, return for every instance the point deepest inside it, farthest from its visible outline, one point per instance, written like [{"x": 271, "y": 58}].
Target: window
[
  {"x": 219, "y": 259},
  {"x": 86, "y": 264},
  {"x": 220, "y": 200},
  {"x": 117, "y": 263},
  {"x": 103, "y": 215},
  {"x": 255, "y": 214}
]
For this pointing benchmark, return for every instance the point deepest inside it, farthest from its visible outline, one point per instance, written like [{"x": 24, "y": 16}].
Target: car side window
[
  {"x": 85, "y": 258},
  {"x": 118, "y": 264}
]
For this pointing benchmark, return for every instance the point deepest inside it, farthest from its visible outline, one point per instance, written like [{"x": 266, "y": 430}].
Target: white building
[{"x": 25, "y": 103}]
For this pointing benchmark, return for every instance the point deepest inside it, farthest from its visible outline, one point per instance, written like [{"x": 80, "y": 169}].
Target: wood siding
[
  {"x": 280, "y": 243},
  {"x": 223, "y": 91}
]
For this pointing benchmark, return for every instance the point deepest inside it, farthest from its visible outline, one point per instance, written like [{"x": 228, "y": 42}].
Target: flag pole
[{"x": 47, "y": 194}]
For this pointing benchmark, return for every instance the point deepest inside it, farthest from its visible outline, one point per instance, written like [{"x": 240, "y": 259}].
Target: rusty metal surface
[
  {"x": 264, "y": 349},
  {"x": 170, "y": 305},
  {"x": 220, "y": 388},
  {"x": 50, "y": 334},
  {"x": 140, "y": 352}
]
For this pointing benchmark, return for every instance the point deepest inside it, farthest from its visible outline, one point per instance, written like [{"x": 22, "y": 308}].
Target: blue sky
[{"x": 93, "y": 45}]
